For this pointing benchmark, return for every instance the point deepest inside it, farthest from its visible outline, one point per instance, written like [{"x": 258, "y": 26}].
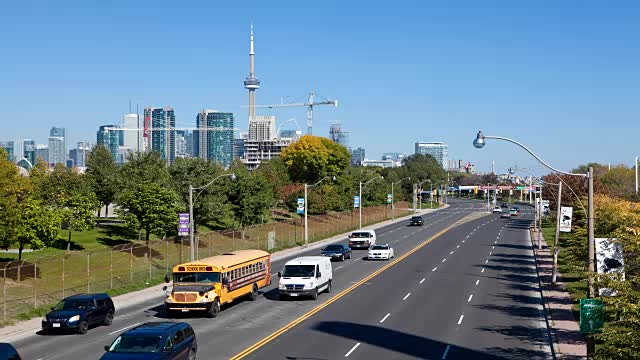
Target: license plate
[
  {"x": 294, "y": 294},
  {"x": 185, "y": 310},
  {"x": 56, "y": 325}
]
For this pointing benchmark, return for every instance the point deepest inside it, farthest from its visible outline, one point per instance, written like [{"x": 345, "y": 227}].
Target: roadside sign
[
  {"x": 356, "y": 201},
  {"x": 519, "y": 187},
  {"x": 300, "y": 209},
  {"x": 183, "y": 224},
  {"x": 389, "y": 198},
  {"x": 566, "y": 214},
  {"x": 609, "y": 261},
  {"x": 591, "y": 315}
]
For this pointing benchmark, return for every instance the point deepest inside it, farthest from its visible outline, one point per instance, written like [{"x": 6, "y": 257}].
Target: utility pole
[
  {"x": 192, "y": 250},
  {"x": 306, "y": 232},
  {"x": 360, "y": 207},
  {"x": 415, "y": 190},
  {"x": 636, "y": 175},
  {"x": 591, "y": 236},
  {"x": 556, "y": 245}
]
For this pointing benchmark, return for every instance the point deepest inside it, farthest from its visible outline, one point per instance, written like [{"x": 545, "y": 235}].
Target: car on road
[
  {"x": 382, "y": 251},
  {"x": 79, "y": 312},
  {"x": 362, "y": 239},
  {"x": 305, "y": 276},
  {"x": 497, "y": 209},
  {"x": 416, "y": 220},
  {"x": 505, "y": 215},
  {"x": 337, "y": 252},
  {"x": 154, "y": 340},
  {"x": 8, "y": 352},
  {"x": 514, "y": 212}
]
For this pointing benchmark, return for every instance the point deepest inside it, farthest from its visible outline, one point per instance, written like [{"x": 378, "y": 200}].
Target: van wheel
[
  {"x": 108, "y": 319},
  {"x": 314, "y": 295},
  {"x": 215, "y": 308},
  {"x": 254, "y": 293},
  {"x": 83, "y": 328},
  {"x": 329, "y": 287}
]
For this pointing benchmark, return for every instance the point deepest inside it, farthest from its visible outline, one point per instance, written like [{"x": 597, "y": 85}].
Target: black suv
[
  {"x": 79, "y": 312},
  {"x": 154, "y": 340},
  {"x": 416, "y": 220}
]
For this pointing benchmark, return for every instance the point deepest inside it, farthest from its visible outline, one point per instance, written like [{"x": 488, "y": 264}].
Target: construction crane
[
  {"x": 293, "y": 120},
  {"x": 208, "y": 128},
  {"x": 309, "y": 104}
]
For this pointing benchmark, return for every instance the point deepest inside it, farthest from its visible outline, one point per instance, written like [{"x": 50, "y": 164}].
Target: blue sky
[{"x": 561, "y": 77}]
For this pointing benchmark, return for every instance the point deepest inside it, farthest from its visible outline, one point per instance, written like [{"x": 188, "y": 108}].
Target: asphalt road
[
  {"x": 472, "y": 293},
  {"x": 243, "y": 323}
]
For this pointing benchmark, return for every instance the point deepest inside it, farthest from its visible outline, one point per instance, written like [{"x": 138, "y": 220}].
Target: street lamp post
[
  {"x": 636, "y": 165},
  {"x": 306, "y": 186},
  {"x": 419, "y": 186},
  {"x": 393, "y": 204},
  {"x": 480, "y": 142},
  {"x": 362, "y": 202},
  {"x": 192, "y": 243}
]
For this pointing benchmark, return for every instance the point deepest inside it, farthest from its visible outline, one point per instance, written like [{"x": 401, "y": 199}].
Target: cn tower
[{"x": 251, "y": 83}]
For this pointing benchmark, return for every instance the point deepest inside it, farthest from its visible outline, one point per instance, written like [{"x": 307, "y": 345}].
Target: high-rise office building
[
  {"x": 9, "y": 147},
  {"x": 262, "y": 128},
  {"x": 57, "y": 150},
  {"x": 109, "y": 137},
  {"x": 188, "y": 140},
  {"x": 159, "y": 124},
  {"x": 132, "y": 140},
  {"x": 438, "y": 150},
  {"x": 29, "y": 150},
  {"x": 337, "y": 135},
  {"x": 357, "y": 156},
  {"x": 79, "y": 154},
  {"x": 42, "y": 152},
  {"x": 215, "y": 144}
]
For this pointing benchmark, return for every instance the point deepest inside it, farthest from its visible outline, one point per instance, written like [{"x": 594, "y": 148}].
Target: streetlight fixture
[
  {"x": 306, "y": 233},
  {"x": 393, "y": 204},
  {"x": 192, "y": 244},
  {"x": 480, "y": 142},
  {"x": 419, "y": 186},
  {"x": 360, "y": 197}
]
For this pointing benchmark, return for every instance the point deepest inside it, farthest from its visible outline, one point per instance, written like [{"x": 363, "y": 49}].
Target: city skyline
[{"x": 542, "y": 81}]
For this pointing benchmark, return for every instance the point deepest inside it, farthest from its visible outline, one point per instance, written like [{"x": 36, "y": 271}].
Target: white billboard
[
  {"x": 609, "y": 260},
  {"x": 566, "y": 214}
]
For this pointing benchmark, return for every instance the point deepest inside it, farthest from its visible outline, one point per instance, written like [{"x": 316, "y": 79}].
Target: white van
[
  {"x": 308, "y": 275},
  {"x": 362, "y": 239}
]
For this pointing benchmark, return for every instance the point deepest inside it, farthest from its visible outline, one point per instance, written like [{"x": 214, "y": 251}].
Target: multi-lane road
[{"x": 459, "y": 288}]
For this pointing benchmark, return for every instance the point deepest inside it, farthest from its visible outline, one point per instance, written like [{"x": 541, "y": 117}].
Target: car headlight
[
  {"x": 310, "y": 285},
  {"x": 44, "y": 319},
  {"x": 74, "y": 318},
  {"x": 282, "y": 286}
]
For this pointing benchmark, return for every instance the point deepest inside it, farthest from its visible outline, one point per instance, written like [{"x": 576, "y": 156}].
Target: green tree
[
  {"x": 250, "y": 196},
  {"x": 37, "y": 226},
  {"x": 338, "y": 160},
  {"x": 620, "y": 182},
  {"x": 210, "y": 205},
  {"x": 307, "y": 159},
  {"x": 71, "y": 195},
  {"x": 150, "y": 208},
  {"x": 142, "y": 167},
  {"x": 101, "y": 173},
  {"x": 276, "y": 173},
  {"x": 14, "y": 191}
]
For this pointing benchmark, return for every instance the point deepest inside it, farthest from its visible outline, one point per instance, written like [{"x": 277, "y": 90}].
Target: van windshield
[
  {"x": 298, "y": 270},
  {"x": 360, "y": 235}
]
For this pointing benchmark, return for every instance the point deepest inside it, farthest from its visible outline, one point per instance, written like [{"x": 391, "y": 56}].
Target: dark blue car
[
  {"x": 337, "y": 252},
  {"x": 154, "y": 340},
  {"x": 79, "y": 312}
]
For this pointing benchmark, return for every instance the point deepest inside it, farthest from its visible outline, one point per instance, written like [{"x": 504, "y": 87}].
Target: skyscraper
[
  {"x": 337, "y": 135},
  {"x": 357, "y": 156},
  {"x": 42, "y": 152},
  {"x": 262, "y": 128},
  {"x": 215, "y": 144},
  {"x": 438, "y": 150},
  {"x": 57, "y": 151},
  {"x": 132, "y": 140},
  {"x": 80, "y": 153},
  {"x": 29, "y": 150},
  {"x": 159, "y": 124},
  {"x": 109, "y": 137},
  {"x": 9, "y": 147}
]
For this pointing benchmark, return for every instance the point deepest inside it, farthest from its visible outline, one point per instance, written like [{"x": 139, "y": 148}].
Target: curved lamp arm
[
  {"x": 479, "y": 142},
  {"x": 323, "y": 179},
  {"x": 401, "y": 180}
]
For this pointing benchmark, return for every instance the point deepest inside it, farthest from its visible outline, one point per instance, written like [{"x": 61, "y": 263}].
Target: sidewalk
[
  {"x": 26, "y": 328},
  {"x": 568, "y": 342}
]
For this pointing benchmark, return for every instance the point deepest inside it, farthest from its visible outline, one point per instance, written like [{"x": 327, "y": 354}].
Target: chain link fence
[{"x": 41, "y": 282}]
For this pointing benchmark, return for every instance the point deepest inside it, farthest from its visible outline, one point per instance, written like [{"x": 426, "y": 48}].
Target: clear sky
[{"x": 561, "y": 76}]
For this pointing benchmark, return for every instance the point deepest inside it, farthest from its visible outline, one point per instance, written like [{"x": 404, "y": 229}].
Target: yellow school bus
[{"x": 206, "y": 284}]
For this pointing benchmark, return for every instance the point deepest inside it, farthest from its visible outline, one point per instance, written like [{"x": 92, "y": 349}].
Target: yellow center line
[{"x": 344, "y": 292}]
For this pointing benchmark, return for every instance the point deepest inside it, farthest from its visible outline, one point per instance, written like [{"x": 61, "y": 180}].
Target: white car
[
  {"x": 383, "y": 251},
  {"x": 497, "y": 209}
]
